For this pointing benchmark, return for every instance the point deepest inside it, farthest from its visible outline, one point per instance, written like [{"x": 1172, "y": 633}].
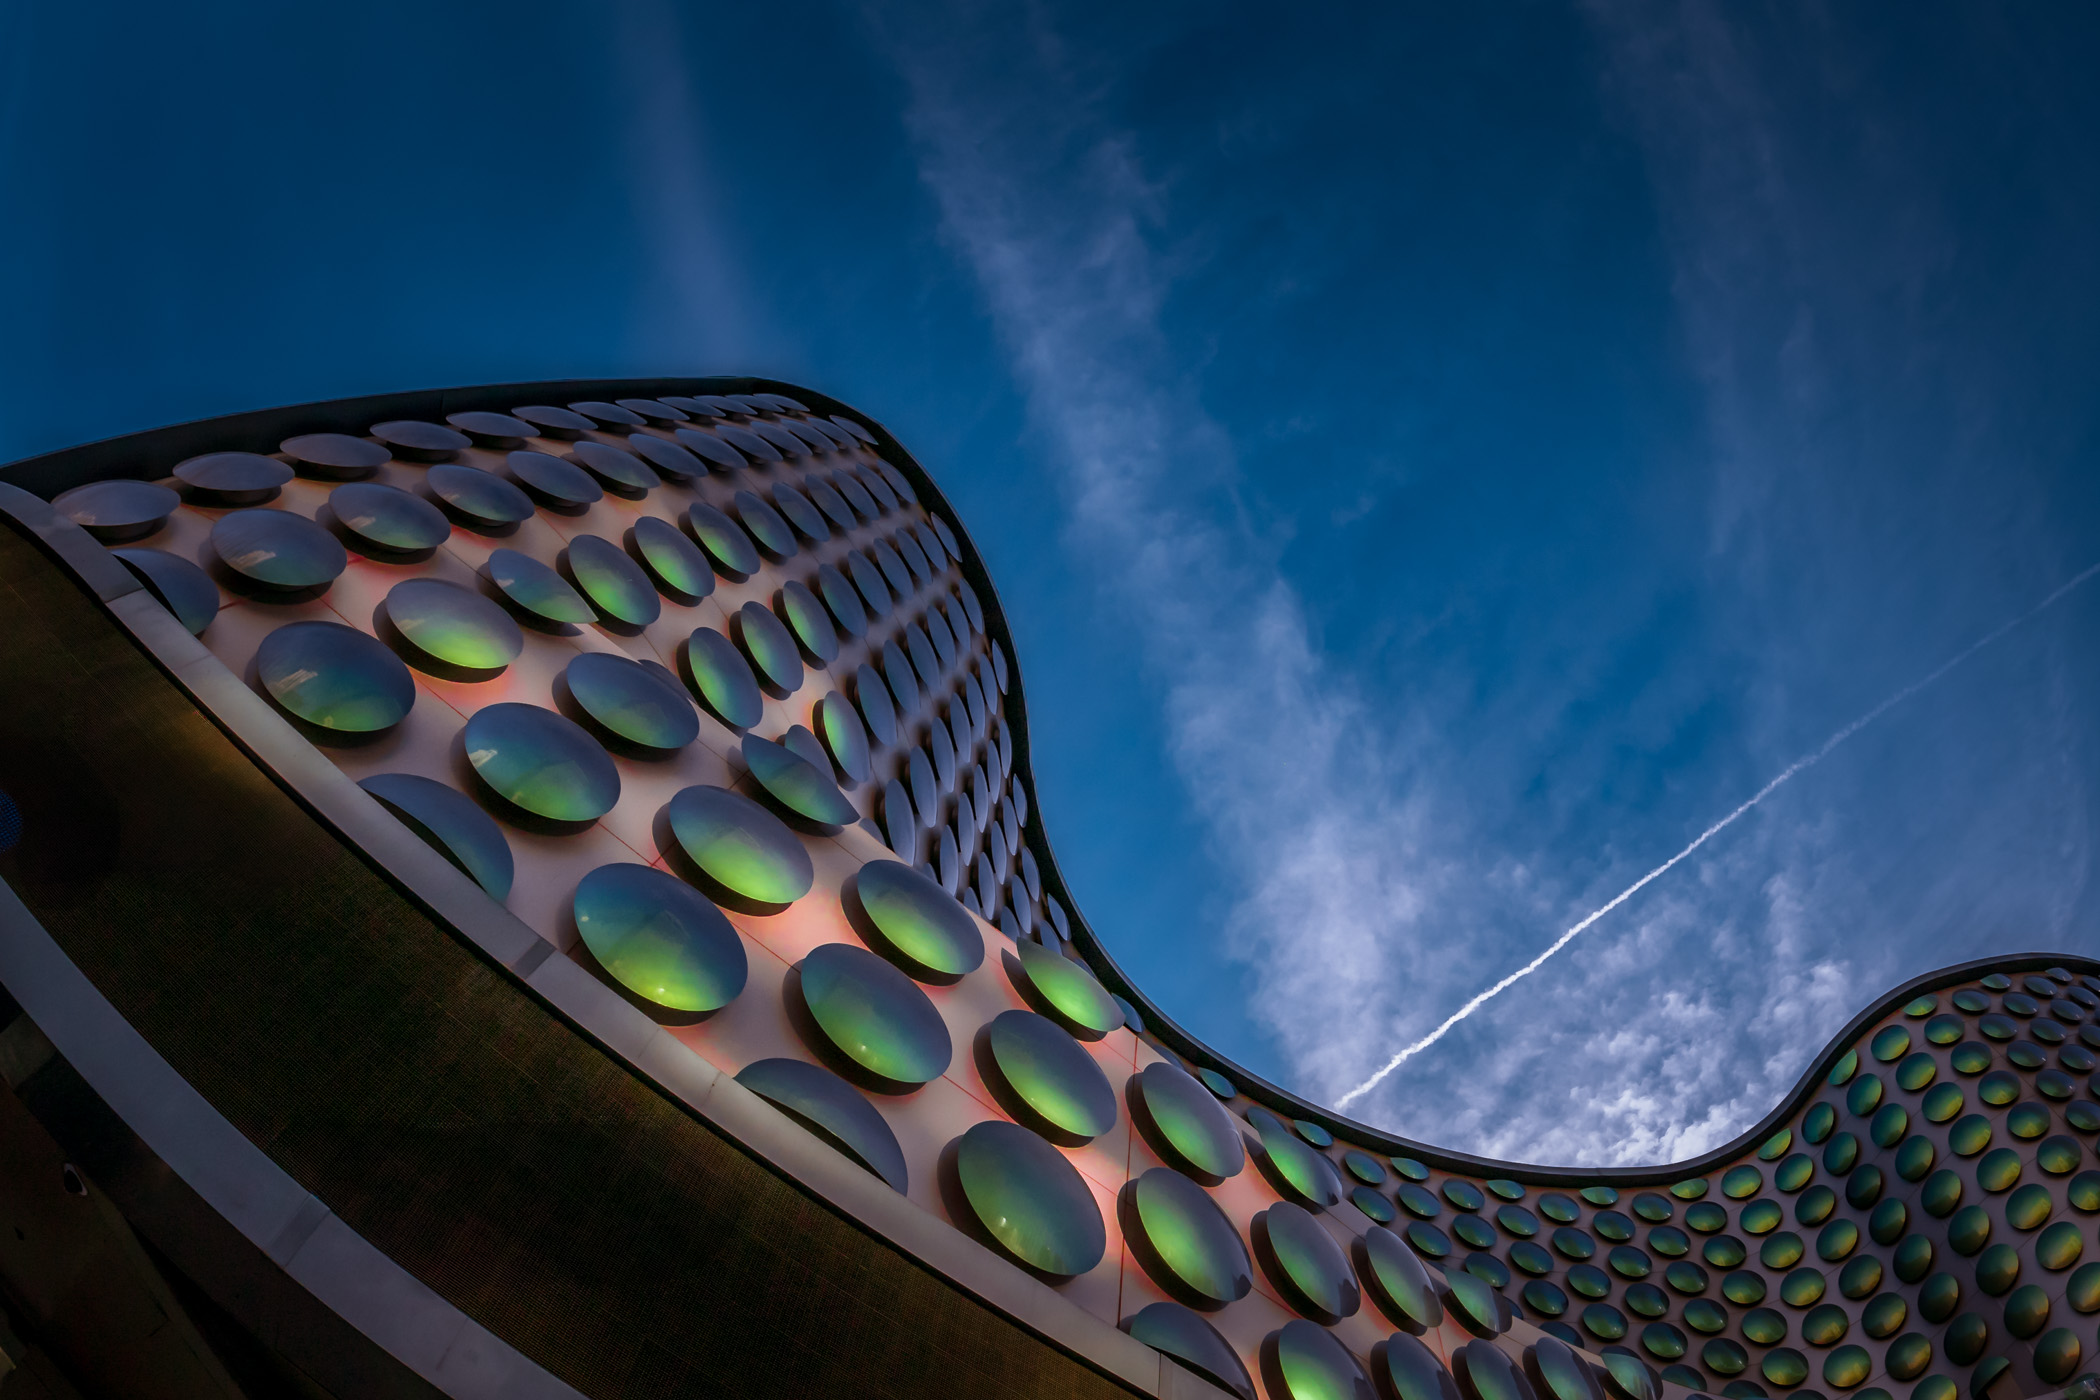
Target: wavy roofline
[{"x": 141, "y": 454}]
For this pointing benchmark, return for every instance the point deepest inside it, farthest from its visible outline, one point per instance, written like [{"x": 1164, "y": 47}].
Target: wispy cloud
[
  {"x": 1741, "y": 810},
  {"x": 1050, "y": 207},
  {"x": 691, "y": 312},
  {"x": 1369, "y": 899}
]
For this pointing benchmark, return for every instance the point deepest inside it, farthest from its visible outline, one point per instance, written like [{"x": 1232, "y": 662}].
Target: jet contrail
[{"x": 1797, "y": 766}]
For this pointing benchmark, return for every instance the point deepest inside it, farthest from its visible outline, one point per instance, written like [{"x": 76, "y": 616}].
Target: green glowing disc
[
  {"x": 1183, "y": 1122},
  {"x": 1046, "y": 1079},
  {"x": 1184, "y": 1242},
  {"x": 1885, "y": 1316},
  {"x": 454, "y": 626},
  {"x": 719, "y": 675},
  {"x": 873, "y": 1018},
  {"x": 1297, "y": 1171},
  {"x": 1064, "y": 990},
  {"x": 797, "y": 786},
  {"x": 1486, "y": 1372},
  {"x": 660, "y": 940},
  {"x": 908, "y": 918},
  {"x": 537, "y": 589},
  {"x": 613, "y": 583},
  {"x": 746, "y": 852},
  {"x": 1305, "y": 1263},
  {"x": 1301, "y": 1361},
  {"x": 728, "y": 548},
  {"x": 681, "y": 571},
  {"x": 1025, "y": 1197}
]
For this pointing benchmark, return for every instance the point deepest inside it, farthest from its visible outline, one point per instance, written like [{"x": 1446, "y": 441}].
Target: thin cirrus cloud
[
  {"x": 1352, "y": 867},
  {"x": 1378, "y": 874},
  {"x": 1267, "y": 736}
]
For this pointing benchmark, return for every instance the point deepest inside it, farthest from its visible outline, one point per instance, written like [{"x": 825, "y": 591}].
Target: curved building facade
[{"x": 537, "y": 890}]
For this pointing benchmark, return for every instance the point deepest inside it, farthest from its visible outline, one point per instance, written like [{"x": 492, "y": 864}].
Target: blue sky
[{"x": 1435, "y": 462}]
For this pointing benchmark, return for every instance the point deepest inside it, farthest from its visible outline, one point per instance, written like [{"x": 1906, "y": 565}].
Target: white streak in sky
[{"x": 1799, "y": 765}]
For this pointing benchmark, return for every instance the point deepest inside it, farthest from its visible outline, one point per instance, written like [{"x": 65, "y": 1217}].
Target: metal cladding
[{"x": 725, "y": 674}]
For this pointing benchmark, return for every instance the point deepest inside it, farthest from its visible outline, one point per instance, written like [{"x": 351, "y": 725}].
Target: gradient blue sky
[{"x": 1435, "y": 460}]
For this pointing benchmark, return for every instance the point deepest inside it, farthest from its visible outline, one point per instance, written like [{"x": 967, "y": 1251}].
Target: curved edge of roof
[{"x": 150, "y": 452}]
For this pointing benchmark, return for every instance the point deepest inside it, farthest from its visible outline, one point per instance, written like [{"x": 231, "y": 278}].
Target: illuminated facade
[{"x": 537, "y": 891}]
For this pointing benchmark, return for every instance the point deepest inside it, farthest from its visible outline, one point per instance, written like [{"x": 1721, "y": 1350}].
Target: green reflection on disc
[
  {"x": 1781, "y": 1251},
  {"x": 2059, "y": 1246},
  {"x": 1026, "y": 1196},
  {"x": 721, "y": 677},
  {"x": 1067, "y": 992},
  {"x": 1489, "y": 1374},
  {"x": 1566, "y": 1375},
  {"x": 1917, "y": 1070},
  {"x": 1785, "y": 1367},
  {"x": 806, "y": 618},
  {"x": 1184, "y": 1122},
  {"x": 875, "y": 1017},
  {"x": 1464, "y": 1194},
  {"x": 679, "y": 566},
  {"x": 537, "y": 589},
  {"x": 1477, "y": 1307},
  {"x": 771, "y": 649},
  {"x": 798, "y": 785},
  {"x": 1847, "y": 1367},
  {"x": 1302, "y": 1361},
  {"x": 454, "y": 625},
  {"x": 1293, "y": 1167},
  {"x": 1891, "y": 1043},
  {"x": 1184, "y": 1240},
  {"x": 1364, "y": 1167},
  {"x": 335, "y": 677},
  {"x": 1305, "y": 1263},
  {"x": 1885, "y": 1316},
  {"x": 915, "y": 923},
  {"x": 2056, "y": 1354},
  {"x": 614, "y": 583},
  {"x": 728, "y": 548},
  {"x": 741, "y": 846},
  {"x": 1544, "y": 1298},
  {"x": 1725, "y": 1252},
  {"x": 1051, "y": 1076},
  {"x": 660, "y": 938}
]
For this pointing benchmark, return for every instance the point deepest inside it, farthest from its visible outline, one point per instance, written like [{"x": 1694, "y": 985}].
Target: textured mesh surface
[{"x": 422, "y": 1095}]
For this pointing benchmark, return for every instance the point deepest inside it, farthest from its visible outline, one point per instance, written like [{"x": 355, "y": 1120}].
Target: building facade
[{"x": 537, "y": 890}]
